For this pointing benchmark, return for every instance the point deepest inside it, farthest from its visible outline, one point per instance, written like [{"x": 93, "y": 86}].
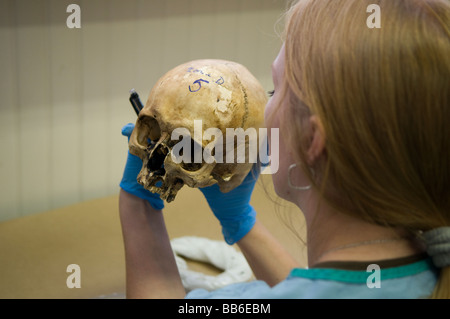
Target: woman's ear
[{"x": 317, "y": 144}]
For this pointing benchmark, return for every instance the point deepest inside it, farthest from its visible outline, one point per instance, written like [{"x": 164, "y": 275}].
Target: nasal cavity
[{"x": 156, "y": 160}]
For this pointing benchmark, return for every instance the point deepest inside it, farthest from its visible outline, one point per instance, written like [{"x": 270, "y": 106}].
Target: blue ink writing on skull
[
  {"x": 220, "y": 81},
  {"x": 199, "y": 83}
]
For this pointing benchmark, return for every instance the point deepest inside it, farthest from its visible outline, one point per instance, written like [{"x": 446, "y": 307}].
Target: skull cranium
[{"x": 222, "y": 94}]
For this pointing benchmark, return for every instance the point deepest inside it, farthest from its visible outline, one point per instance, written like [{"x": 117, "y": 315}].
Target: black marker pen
[{"x": 135, "y": 101}]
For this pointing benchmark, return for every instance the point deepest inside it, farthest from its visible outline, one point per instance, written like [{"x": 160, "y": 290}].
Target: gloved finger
[
  {"x": 128, "y": 129},
  {"x": 250, "y": 179},
  {"x": 253, "y": 175}
]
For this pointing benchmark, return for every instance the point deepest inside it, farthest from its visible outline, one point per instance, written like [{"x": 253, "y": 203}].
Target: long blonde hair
[{"x": 383, "y": 97}]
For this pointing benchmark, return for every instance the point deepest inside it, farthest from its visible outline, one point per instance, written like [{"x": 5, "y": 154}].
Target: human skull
[{"x": 222, "y": 94}]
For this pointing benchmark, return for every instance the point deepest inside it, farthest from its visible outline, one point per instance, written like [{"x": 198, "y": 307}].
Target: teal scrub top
[{"x": 409, "y": 281}]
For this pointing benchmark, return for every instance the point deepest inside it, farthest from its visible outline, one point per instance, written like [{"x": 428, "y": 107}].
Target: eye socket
[
  {"x": 154, "y": 131},
  {"x": 190, "y": 165}
]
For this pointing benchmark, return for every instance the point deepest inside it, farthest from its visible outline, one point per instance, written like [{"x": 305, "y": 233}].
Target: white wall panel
[
  {"x": 9, "y": 115},
  {"x": 95, "y": 100},
  {"x": 33, "y": 105},
  {"x": 65, "y": 102}
]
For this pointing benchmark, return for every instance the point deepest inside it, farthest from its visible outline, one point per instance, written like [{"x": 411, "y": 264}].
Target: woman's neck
[{"x": 335, "y": 236}]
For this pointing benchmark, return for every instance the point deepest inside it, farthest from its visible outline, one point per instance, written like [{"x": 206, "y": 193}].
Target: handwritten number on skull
[{"x": 199, "y": 83}]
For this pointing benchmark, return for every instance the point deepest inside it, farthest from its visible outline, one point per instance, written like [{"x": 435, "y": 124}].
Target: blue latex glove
[
  {"x": 129, "y": 180},
  {"x": 233, "y": 209}
]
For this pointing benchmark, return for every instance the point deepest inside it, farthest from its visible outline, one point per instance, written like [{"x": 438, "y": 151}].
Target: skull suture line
[{"x": 222, "y": 94}]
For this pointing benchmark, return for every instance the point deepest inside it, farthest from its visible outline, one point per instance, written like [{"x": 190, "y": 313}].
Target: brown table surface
[{"x": 36, "y": 249}]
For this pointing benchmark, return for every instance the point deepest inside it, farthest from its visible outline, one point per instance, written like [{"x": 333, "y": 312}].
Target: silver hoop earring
[{"x": 301, "y": 188}]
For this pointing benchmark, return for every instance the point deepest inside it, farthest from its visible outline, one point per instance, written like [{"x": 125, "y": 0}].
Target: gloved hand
[
  {"x": 233, "y": 209},
  {"x": 129, "y": 180}
]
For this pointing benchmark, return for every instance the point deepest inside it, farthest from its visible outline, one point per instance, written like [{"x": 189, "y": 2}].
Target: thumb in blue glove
[
  {"x": 233, "y": 209},
  {"x": 129, "y": 180}
]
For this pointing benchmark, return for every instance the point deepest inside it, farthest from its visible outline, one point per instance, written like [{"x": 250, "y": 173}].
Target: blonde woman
[{"x": 364, "y": 154}]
